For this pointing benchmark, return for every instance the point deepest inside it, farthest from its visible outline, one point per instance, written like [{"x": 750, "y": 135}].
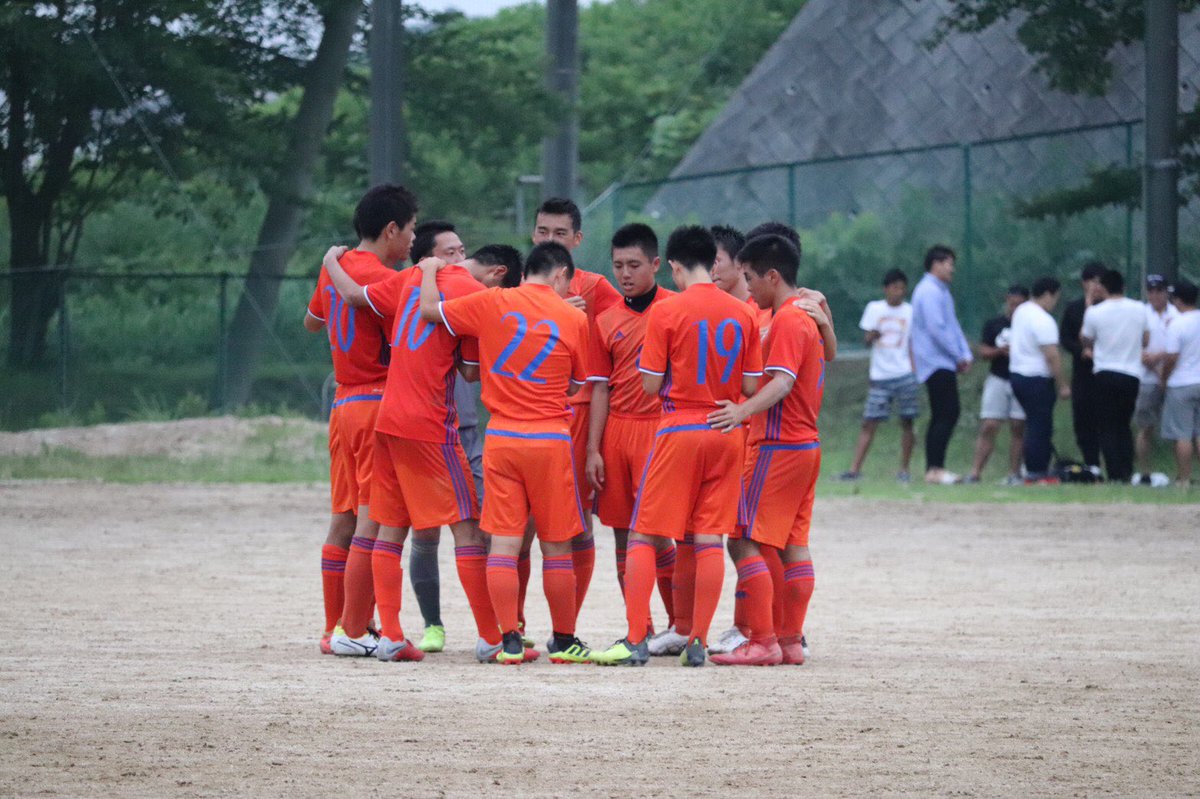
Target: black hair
[
  {"x": 635, "y": 234},
  {"x": 938, "y": 252},
  {"x": 1092, "y": 270},
  {"x": 561, "y": 206},
  {"x": 1185, "y": 291},
  {"x": 895, "y": 276},
  {"x": 1017, "y": 290},
  {"x": 1045, "y": 285},
  {"x": 764, "y": 253},
  {"x": 776, "y": 229},
  {"x": 546, "y": 257},
  {"x": 1113, "y": 281},
  {"x": 387, "y": 202},
  {"x": 425, "y": 235},
  {"x": 728, "y": 239},
  {"x": 501, "y": 255},
  {"x": 692, "y": 246}
]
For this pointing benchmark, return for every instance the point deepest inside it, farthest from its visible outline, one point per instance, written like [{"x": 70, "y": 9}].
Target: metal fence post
[
  {"x": 791, "y": 194},
  {"x": 222, "y": 344},
  {"x": 968, "y": 233},
  {"x": 618, "y": 206},
  {"x": 1129, "y": 213},
  {"x": 64, "y": 347}
]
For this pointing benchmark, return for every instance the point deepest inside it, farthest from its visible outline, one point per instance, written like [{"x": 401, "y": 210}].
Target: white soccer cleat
[
  {"x": 668, "y": 642},
  {"x": 727, "y": 641},
  {"x": 804, "y": 646},
  {"x": 344, "y": 645},
  {"x": 1159, "y": 480}
]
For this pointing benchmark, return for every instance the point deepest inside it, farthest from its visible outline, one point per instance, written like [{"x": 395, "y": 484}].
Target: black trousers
[
  {"x": 1084, "y": 414},
  {"x": 1116, "y": 397},
  {"x": 1037, "y": 396},
  {"x": 942, "y": 386}
]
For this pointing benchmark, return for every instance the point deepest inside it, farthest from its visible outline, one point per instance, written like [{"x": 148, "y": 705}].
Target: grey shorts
[
  {"x": 998, "y": 401},
  {"x": 1181, "y": 413},
  {"x": 901, "y": 390},
  {"x": 472, "y": 444},
  {"x": 1148, "y": 411}
]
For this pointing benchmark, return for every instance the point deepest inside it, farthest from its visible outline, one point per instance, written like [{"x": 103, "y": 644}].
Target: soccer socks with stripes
[
  {"x": 558, "y": 582},
  {"x": 359, "y": 587},
  {"x": 425, "y": 578},
  {"x": 472, "y": 573},
  {"x": 664, "y": 572},
  {"x": 387, "y": 566},
  {"x": 800, "y": 580},
  {"x": 333, "y": 572},
  {"x": 756, "y": 594},
  {"x": 710, "y": 575},
  {"x": 503, "y": 586},
  {"x": 774, "y": 560},
  {"x": 639, "y": 587},
  {"x": 523, "y": 567},
  {"x": 683, "y": 585},
  {"x": 583, "y": 560}
]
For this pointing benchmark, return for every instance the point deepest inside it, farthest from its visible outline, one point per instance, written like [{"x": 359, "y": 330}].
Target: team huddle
[{"x": 680, "y": 418}]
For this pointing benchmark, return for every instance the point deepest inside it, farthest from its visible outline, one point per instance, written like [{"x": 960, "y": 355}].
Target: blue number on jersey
[
  {"x": 410, "y": 319},
  {"x": 341, "y": 327},
  {"x": 729, "y": 353},
  {"x": 527, "y": 374}
]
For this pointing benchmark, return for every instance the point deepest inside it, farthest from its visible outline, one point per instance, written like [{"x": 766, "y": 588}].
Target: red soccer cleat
[
  {"x": 793, "y": 650},
  {"x": 325, "y": 648},
  {"x": 755, "y": 652},
  {"x": 399, "y": 651}
]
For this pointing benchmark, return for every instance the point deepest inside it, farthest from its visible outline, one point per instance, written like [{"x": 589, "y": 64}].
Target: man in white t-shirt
[
  {"x": 1114, "y": 332},
  {"x": 887, "y": 325},
  {"x": 1147, "y": 415},
  {"x": 1034, "y": 369},
  {"x": 1181, "y": 373}
]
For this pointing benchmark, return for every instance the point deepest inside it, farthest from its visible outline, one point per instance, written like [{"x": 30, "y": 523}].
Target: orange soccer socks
[
  {"x": 639, "y": 587},
  {"x": 710, "y": 575},
  {"x": 503, "y": 587},
  {"x": 333, "y": 572},
  {"x": 583, "y": 560},
  {"x": 388, "y": 572},
  {"x": 755, "y": 595},
  {"x": 558, "y": 582},
  {"x": 472, "y": 573},
  {"x": 664, "y": 572},
  {"x": 683, "y": 585},
  {"x": 359, "y": 588},
  {"x": 774, "y": 560},
  {"x": 800, "y": 580}
]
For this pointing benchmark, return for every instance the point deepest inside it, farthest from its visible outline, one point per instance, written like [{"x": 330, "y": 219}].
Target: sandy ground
[{"x": 165, "y": 646}]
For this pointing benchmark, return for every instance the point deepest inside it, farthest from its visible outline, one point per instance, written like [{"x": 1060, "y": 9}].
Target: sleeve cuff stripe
[
  {"x": 780, "y": 369},
  {"x": 752, "y": 374},
  {"x": 446, "y": 322},
  {"x": 314, "y": 316},
  {"x": 367, "y": 294},
  {"x": 597, "y": 379},
  {"x": 650, "y": 371},
  {"x": 471, "y": 363}
]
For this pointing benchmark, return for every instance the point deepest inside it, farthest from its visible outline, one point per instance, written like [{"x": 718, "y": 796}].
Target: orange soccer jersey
[{"x": 598, "y": 296}]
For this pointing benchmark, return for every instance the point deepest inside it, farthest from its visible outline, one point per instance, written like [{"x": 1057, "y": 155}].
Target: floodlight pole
[
  {"x": 1162, "y": 158},
  {"x": 386, "y": 149},
  {"x": 560, "y": 151}
]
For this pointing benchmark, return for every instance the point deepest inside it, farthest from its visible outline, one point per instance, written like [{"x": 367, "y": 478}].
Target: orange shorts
[
  {"x": 421, "y": 484},
  {"x": 530, "y": 474},
  {"x": 579, "y": 441},
  {"x": 627, "y": 444},
  {"x": 691, "y": 482},
  {"x": 351, "y": 441},
  {"x": 779, "y": 483}
]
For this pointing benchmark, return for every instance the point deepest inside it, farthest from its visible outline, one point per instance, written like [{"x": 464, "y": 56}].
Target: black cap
[{"x": 1156, "y": 282}]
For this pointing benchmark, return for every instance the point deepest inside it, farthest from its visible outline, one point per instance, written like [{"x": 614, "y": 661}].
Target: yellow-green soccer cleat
[
  {"x": 623, "y": 653},
  {"x": 568, "y": 649},
  {"x": 434, "y": 639}
]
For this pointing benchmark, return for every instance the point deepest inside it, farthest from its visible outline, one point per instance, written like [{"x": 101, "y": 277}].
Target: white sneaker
[
  {"x": 804, "y": 646},
  {"x": 1159, "y": 480},
  {"x": 668, "y": 642},
  {"x": 727, "y": 641},
  {"x": 361, "y": 647}
]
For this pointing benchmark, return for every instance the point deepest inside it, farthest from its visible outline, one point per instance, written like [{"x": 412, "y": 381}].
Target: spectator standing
[
  {"x": 1035, "y": 367},
  {"x": 1181, "y": 373},
  {"x": 940, "y": 353},
  {"x": 1114, "y": 332},
  {"x": 1083, "y": 390},
  {"x": 999, "y": 404},
  {"x": 1147, "y": 415}
]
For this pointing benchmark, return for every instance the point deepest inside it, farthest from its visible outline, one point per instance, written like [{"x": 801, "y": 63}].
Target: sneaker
[
  {"x": 667, "y": 642},
  {"x": 1049, "y": 480},
  {"x": 1159, "y": 480},
  {"x": 942, "y": 477},
  {"x": 1139, "y": 480},
  {"x": 793, "y": 651},
  {"x": 971, "y": 480},
  {"x": 903, "y": 476},
  {"x": 344, "y": 645},
  {"x": 434, "y": 639},
  {"x": 763, "y": 652},
  {"x": 693, "y": 654},
  {"x": 1013, "y": 480},
  {"x": 390, "y": 651},
  {"x": 512, "y": 650},
  {"x": 850, "y": 476},
  {"x": 324, "y": 645},
  {"x": 624, "y": 653},
  {"x": 486, "y": 653},
  {"x": 727, "y": 641},
  {"x": 1096, "y": 471},
  {"x": 568, "y": 650},
  {"x": 804, "y": 645}
]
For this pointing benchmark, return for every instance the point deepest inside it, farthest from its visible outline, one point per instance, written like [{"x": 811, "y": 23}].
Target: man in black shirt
[
  {"x": 998, "y": 403},
  {"x": 1083, "y": 389}
]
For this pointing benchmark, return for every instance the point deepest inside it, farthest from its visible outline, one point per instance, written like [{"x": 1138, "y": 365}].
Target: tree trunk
[
  {"x": 36, "y": 293},
  {"x": 287, "y": 198}
]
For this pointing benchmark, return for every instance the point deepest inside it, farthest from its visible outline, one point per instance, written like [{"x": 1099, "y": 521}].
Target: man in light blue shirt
[{"x": 940, "y": 353}]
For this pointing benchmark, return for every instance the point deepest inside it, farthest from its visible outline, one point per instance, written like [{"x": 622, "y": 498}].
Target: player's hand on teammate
[
  {"x": 334, "y": 253},
  {"x": 577, "y": 302},
  {"x": 431, "y": 263},
  {"x": 595, "y": 470},
  {"x": 815, "y": 311},
  {"x": 728, "y": 417}
]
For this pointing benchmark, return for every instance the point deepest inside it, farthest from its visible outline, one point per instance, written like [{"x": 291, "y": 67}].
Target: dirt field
[{"x": 164, "y": 645}]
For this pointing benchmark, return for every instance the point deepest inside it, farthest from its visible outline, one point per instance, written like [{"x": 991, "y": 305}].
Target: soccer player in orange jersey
[
  {"x": 729, "y": 278},
  {"x": 702, "y": 346},
  {"x": 783, "y": 460},
  {"x": 532, "y": 348},
  {"x": 384, "y": 222},
  {"x": 559, "y": 220},
  {"x": 623, "y": 416}
]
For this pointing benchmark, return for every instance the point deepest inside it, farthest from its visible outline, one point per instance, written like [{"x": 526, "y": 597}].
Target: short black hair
[
  {"x": 1113, "y": 281},
  {"x": 387, "y": 202},
  {"x": 1185, "y": 291},
  {"x": 938, "y": 252},
  {"x": 894, "y": 276},
  {"x": 546, "y": 257},
  {"x": 764, "y": 253},
  {"x": 776, "y": 229},
  {"x": 636, "y": 234},
  {"x": 1018, "y": 290},
  {"x": 728, "y": 239},
  {"x": 1046, "y": 285},
  {"x": 692, "y": 246},
  {"x": 501, "y": 255},
  {"x": 560, "y": 206},
  {"x": 425, "y": 235},
  {"x": 1092, "y": 270}
]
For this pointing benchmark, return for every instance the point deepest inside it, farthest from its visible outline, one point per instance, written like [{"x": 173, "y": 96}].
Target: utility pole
[
  {"x": 387, "y": 149},
  {"x": 1162, "y": 159},
  {"x": 560, "y": 151}
]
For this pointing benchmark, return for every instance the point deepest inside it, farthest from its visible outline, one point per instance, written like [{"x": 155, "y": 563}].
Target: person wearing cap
[
  {"x": 1147, "y": 415},
  {"x": 999, "y": 404},
  {"x": 1181, "y": 374},
  {"x": 1114, "y": 332},
  {"x": 1083, "y": 389}
]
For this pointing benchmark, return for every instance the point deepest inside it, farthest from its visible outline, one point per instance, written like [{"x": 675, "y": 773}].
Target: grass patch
[{"x": 269, "y": 467}]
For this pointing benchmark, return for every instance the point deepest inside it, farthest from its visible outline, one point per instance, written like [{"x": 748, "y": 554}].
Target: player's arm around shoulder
[{"x": 346, "y": 286}]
